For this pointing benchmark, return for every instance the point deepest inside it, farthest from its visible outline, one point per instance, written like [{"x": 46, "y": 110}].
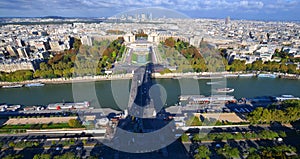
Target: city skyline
[
  {"x": 250, "y": 10},
  {"x": 149, "y": 79}
]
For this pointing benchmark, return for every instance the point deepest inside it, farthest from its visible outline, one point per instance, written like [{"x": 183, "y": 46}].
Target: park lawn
[
  {"x": 36, "y": 126},
  {"x": 134, "y": 57}
]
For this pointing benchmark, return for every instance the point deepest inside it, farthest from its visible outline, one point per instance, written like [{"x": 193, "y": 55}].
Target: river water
[{"x": 114, "y": 94}]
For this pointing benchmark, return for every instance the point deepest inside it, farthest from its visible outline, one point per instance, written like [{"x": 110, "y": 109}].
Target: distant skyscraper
[
  {"x": 227, "y": 20},
  {"x": 143, "y": 17}
]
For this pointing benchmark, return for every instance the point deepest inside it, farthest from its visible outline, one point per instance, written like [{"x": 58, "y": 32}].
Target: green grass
[
  {"x": 148, "y": 57},
  {"x": 12, "y": 131},
  {"x": 134, "y": 57},
  {"x": 35, "y": 126}
]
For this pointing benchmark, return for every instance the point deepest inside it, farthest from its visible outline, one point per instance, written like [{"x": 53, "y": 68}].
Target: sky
[{"x": 244, "y": 9}]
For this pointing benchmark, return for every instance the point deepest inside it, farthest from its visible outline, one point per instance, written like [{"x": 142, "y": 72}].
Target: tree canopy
[
  {"x": 203, "y": 153},
  {"x": 289, "y": 111},
  {"x": 74, "y": 123},
  {"x": 228, "y": 152}
]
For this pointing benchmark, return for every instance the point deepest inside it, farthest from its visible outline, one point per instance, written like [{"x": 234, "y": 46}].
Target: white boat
[
  {"x": 13, "y": 86},
  {"x": 34, "y": 85},
  {"x": 266, "y": 76},
  {"x": 77, "y": 105},
  {"x": 246, "y": 75},
  {"x": 287, "y": 97},
  {"x": 225, "y": 90},
  {"x": 212, "y": 83}
]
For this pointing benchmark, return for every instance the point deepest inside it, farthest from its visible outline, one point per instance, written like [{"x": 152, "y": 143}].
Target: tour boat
[
  {"x": 34, "y": 85},
  {"x": 266, "y": 76},
  {"x": 13, "y": 86},
  {"x": 246, "y": 75},
  {"x": 225, "y": 90}
]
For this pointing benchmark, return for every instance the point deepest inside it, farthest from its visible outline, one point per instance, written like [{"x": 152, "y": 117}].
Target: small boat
[
  {"x": 225, "y": 90},
  {"x": 212, "y": 83},
  {"x": 34, "y": 85},
  {"x": 287, "y": 97},
  {"x": 246, "y": 75},
  {"x": 13, "y": 86},
  {"x": 266, "y": 76}
]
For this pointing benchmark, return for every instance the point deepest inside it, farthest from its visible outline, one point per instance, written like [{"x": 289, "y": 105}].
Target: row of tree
[
  {"x": 67, "y": 155},
  {"x": 227, "y": 151},
  {"x": 287, "y": 112},
  {"x": 258, "y": 65},
  {"x": 271, "y": 152},
  {"x": 16, "y": 76},
  {"x": 264, "y": 134}
]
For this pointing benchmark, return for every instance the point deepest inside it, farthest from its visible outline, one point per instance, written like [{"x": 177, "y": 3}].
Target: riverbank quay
[
  {"x": 193, "y": 75},
  {"x": 73, "y": 80},
  {"x": 217, "y": 75}
]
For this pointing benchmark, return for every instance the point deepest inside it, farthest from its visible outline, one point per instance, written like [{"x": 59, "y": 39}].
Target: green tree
[
  {"x": 255, "y": 116},
  {"x": 203, "y": 152},
  {"x": 44, "y": 66},
  {"x": 266, "y": 116},
  {"x": 11, "y": 144},
  {"x": 237, "y": 66},
  {"x": 77, "y": 44},
  {"x": 68, "y": 155},
  {"x": 166, "y": 70},
  {"x": 267, "y": 134},
  {"x": 84, "y": 141},
  {"x": 13, "y": 156},
  {"x": 228, "y": 152},
  {"x": 292, "y": 68},
  {"x": 253, "y": 156},
  {"x": 74, "y": 123},
  {"x": 289, "y": 112},
  {"x": 42, "y": 156},
  {"x": 284, "y": 68},
  {"x": 282, "y": 134},
  {"x": 197, "y": 138},
  {"x": 257, "y": 65},
  {"x": 194, "y": 121},
  {"x": 185, "y": 138},
  {"x": 275, "y": 151}
]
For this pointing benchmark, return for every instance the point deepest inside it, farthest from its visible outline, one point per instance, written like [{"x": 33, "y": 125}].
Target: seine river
[{"x": 114, "y": 94}]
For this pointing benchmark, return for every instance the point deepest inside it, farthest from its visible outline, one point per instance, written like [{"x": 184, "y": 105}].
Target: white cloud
[
  {"x": 283, "y": 4},
  {"x": 180, "y": 5}
]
